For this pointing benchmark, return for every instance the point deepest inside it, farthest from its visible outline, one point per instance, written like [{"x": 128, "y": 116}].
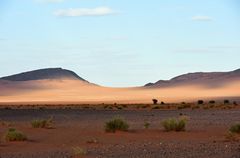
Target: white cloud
[
  {"x": 74, "y": 12},
  {"x": 202, "y": 18}
]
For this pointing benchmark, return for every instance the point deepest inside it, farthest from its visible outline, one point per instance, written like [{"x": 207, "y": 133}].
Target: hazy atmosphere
[
  {"x": 120, "y": 43},
  {"x": 119, "y": 78}
]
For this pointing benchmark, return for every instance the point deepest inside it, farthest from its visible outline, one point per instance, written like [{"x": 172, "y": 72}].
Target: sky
[{"x": 120, "y": 43}]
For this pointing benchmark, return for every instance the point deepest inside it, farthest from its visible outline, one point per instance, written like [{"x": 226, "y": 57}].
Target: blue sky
[{"x": 120, "y": 43}]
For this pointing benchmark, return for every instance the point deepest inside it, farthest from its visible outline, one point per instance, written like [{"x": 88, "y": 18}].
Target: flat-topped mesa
[{"x": 41, "y": 74}]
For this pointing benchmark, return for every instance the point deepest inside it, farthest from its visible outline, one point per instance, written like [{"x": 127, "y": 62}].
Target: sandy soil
[
  {"x": 74, "y": 91},
  {"x": 204, "y": 136}
]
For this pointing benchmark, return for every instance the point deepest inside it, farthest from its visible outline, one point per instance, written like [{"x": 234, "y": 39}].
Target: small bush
[
  {"x": 211, "y": 102},
  {"x": 116, "y": 124},
  {"x": 156, "y": 107},
  {"x": 226, "y": 101},
  {"x": 174, "y": 124},
  {"x": 119, "y": 108},
  {"x": 232, "y": 137},
  {"x": 78, "y": 151},
  {"x": 155, "y": 101},
  {"x": 146, "y": 125},
  {"x": 42, "y": 123},
  {"x": 200, "y": 102},
  {"x": 14, "y": 135},
  {"x": 235, "y": 128}
]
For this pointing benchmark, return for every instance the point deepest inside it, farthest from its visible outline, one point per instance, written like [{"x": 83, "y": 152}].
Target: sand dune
[
  {"x": 75, "y": 91},
  {"x": 56, "y": 85}
]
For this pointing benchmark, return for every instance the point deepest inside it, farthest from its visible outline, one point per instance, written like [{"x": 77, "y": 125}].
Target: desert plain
[
  {"x": 78, "y": 112},
  {"x": 82, "y": 128}
]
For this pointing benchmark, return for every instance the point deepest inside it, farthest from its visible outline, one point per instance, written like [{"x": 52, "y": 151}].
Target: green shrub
[
  {"x": 232, "y": 137},
  {"x": 14, "y": 135},
  {"x": 146, "y": 125},
  {"x": 174, "y": 124},
  {"x": 235, "y": 128},
  {"x": 44, "y": 123},
  {"x": 78, "y": 151},
  {"x": 116, "y": 124}
]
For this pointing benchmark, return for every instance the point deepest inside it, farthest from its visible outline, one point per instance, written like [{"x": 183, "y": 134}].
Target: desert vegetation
[
  {"x": 42, "y": 123},
  {"x": 116, "y": 124},
  {"x": 235, "y": 128},
  {"x": 173, "y": 124},
  {"x": 212, "y": 102},
  {"x": 14, "y": 135},
  {"x": 78, "y": 151},
  {"x": 146, "y": 124},
  {"x": 93, "y": 141},
  {"x": 235, "y": 103},
  {"x": 155, "y": 101},
  {"x": 200, "y": 102},
  {"x": 226, "y": 101}
]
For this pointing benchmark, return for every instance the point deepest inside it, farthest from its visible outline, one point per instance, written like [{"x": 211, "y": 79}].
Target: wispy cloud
[
  {"x": 202, "y": 18},
  {"x": 76, "y": 12}
]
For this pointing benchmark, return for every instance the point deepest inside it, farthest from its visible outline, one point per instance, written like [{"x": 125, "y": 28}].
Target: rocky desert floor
[{"x": 80, "y": 133}]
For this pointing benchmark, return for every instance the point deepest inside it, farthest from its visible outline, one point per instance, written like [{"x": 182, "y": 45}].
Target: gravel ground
[{"x": 205, "y": 135}]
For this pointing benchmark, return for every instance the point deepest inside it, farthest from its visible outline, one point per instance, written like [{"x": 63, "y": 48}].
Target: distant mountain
[
  {"x": 41, "y": 74},
  {"x": 58, "y": 86},
  {"x": 199, "y": 78},
  {"x": 210, "y": 79}
]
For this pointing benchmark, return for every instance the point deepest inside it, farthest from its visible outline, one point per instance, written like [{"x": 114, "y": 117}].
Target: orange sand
[{"x": 74, "y": 91}]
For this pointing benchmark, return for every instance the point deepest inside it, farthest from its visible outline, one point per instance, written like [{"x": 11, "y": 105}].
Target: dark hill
[
  {"x": 201, "y": 78},
  {"x": 49, "y": 73}
]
